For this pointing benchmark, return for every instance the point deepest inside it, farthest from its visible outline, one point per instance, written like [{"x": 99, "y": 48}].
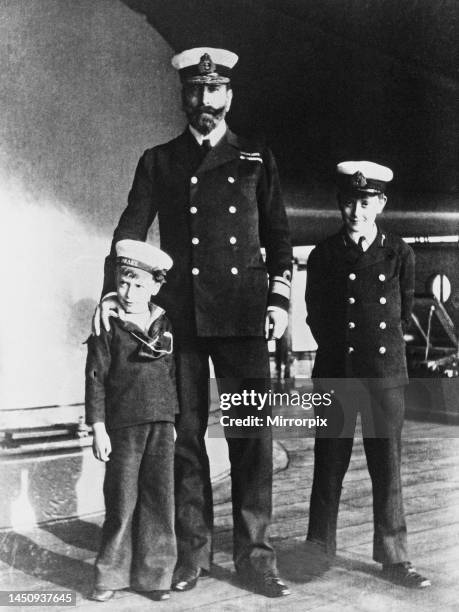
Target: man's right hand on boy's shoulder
[
  {"x": 108, "y": 307},
  {"x": 101, "y": 445}
]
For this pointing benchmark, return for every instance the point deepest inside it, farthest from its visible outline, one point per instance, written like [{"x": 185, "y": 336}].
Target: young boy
[
  {"x": 359, "y": 297},
  {"x": 131, "y": 404}
]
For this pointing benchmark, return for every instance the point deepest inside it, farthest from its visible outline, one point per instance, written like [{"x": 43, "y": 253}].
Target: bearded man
[{"x": 218, "y": 201}]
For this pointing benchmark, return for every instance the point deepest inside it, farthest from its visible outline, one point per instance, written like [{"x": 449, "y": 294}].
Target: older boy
[
  {"x": 131, "y": 404},
  {"x": 359, "y": 297}
]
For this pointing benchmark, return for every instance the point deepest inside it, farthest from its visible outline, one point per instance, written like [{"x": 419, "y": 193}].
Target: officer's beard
[{"x": 204, "y": 119}]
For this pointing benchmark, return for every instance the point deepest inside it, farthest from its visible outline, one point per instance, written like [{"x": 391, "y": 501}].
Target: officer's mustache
[{"x": 209, "y": 110}]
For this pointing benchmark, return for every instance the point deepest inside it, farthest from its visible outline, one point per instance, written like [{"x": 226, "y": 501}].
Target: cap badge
[
  {"x": 206, "y": 65},
  {"x": 358, "y": 180}
]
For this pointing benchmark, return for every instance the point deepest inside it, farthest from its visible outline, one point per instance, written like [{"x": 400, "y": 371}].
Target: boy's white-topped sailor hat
[
  {"x": 363, "y": 177},
  {"x": 205, "y": 65},
  {"x": 138, "y": 254}
]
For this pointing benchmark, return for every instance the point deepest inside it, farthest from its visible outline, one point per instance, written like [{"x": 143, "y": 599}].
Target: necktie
[
  {"x": 361, "y": 241},
  {"x": 205, "y": 146}
]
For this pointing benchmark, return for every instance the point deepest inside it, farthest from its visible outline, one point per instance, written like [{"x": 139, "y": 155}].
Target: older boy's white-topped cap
[
  {"x": 363, "y": 177},
  {"x": 205, "y": 65},
  {"x": 138, "y": 254}
]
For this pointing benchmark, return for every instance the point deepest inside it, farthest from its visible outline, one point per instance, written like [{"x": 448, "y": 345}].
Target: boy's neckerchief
[{"x": 155, "y": 343}]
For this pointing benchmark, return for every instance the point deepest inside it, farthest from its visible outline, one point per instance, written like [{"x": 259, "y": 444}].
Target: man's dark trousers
[
  {"x": 250, "y": 458},
  {"x": 383, "y": 454}
]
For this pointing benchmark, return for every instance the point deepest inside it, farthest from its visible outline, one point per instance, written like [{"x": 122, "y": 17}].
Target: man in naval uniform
[
  {"x": 359, "y": 298},
  {"x": 218, "y": 201}
]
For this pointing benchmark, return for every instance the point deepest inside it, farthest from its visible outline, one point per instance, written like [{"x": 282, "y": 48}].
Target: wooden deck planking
[{"x": 55, "y": 560}]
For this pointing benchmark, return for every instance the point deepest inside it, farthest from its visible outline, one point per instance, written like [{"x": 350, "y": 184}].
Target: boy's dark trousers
[
  {"x": 251, "y": 458},
  {"x": 383, "y": 454},
  {"x": 138, "y": 539}
]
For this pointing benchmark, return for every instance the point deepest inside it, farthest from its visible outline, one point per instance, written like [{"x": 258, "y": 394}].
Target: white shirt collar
[
  {"x": 214, "y": 136},
  {"x": 368, "y": 238}
]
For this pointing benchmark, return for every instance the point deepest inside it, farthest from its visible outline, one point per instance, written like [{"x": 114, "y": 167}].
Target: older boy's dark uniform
[
  {"x": 132, "y": 390},
  {"x": 215, "y": 212},
  {"x": 358, "y": 303}
]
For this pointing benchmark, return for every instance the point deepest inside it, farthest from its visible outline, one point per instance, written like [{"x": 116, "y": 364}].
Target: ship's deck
[{"x": 60, "y": 556}]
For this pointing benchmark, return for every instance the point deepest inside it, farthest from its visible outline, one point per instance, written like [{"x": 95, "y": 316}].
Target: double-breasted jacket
[
  {"x": 214, "y": 215},
  {"x": 358, "y": 304}
]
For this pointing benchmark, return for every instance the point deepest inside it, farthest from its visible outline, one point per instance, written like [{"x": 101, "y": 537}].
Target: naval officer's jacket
[
  {"x": 358, "y": 304},
  {"x": 213, "y": 216}
]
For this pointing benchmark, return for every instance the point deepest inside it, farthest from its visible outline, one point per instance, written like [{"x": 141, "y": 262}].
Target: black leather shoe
[
  {"x": 185, "y": 578},
  {"x": 406, "y": 575},
  {"x": 101, "y": 595},
  {"x": 265, "y": 583}
]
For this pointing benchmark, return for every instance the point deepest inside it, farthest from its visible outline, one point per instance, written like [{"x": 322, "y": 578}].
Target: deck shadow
[
  {"x": 79, "y": 533},
  {"x": 302, "y": 562},
  {"x": 23, "y": 554}
]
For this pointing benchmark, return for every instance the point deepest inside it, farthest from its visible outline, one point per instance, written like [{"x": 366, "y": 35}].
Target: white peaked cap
[
  {"x": 192, "y": 57},
  {"x": 142, "y": 255},
  {"x": 205, "y": 65},
  {"x": 369, "y": 169},
  {"x": 363, "y": 177}
]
